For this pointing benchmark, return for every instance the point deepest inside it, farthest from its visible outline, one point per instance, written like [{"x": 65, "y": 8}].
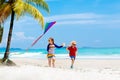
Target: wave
[
  {"x": 26, "y": 55},
  {"x": 40, "y": 55}
]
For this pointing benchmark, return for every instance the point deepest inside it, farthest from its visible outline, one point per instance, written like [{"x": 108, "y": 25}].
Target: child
[
  {"x": 72, "y": 52},
  {"x": 50, "y": 49}
]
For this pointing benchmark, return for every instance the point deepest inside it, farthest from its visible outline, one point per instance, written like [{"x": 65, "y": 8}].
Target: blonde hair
[{"x": 73, "y": 42}]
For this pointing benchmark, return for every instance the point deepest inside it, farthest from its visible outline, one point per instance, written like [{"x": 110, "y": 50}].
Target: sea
[{"x": 62, "y": 53}]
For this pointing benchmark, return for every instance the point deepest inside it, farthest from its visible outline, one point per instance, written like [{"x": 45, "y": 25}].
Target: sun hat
[{"x": 73, "y": 42}]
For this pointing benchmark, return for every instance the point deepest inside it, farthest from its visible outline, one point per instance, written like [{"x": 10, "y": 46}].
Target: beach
[
  {"x": 86, "y": 31},
  {"x": 84, "y": 69}
]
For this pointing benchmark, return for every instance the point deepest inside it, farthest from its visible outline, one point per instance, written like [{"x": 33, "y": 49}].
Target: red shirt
[{"x": 72, "y": 51}]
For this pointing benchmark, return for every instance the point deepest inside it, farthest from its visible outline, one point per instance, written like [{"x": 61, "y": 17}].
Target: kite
[{"x": 47, "y": 27}]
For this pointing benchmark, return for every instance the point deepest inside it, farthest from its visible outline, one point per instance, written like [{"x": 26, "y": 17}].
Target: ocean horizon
[{"x": 82, "y": 53}]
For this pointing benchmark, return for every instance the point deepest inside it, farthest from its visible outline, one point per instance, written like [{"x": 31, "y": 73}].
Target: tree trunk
[{"x": 7, "y": 52}]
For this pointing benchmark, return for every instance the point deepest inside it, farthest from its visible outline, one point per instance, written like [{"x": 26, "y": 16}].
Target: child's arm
[
  {"x": 67, "y": 49},
  {"x": 58, "y": 46},
  {"x": 76, "y": 52},
  {"x": 48, "y": 47}
]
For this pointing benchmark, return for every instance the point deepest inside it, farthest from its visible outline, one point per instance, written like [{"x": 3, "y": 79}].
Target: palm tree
[
  {"x": 1, "y": 32},
  {"x": 18, "y": 8}
]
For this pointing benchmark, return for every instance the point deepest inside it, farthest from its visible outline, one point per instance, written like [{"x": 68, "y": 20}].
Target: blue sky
[{"x": 92, "y": 23}]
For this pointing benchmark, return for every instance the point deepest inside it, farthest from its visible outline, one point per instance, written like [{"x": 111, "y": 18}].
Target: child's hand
[{"x": 63, "y": 44}]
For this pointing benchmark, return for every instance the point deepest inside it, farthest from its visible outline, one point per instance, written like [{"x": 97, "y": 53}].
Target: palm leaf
[
  {"x": 5, "y": 12},
  {"x": 27, "y": 8},
  {"x": 2, "y": 1},
  {"x": 39, "y": 3},
  {"x": 19, "y": 8},
  {"x": 2, "y": 6},
  {"x": 34, "y": 12}
]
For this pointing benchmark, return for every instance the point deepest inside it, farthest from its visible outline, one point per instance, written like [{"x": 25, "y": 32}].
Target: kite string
[
  {"x": 35, "y": 42},
  {"x": 47, "y": 27}
]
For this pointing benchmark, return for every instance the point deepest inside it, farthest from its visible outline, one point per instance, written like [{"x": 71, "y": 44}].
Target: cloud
[
  {"x": 51, "y": 0},
  {"x": 97, "y": 41},
  {"x": 26, "y": 20},
  {"x": 97, "y": 2},
  {"x": 73, "y": 16},
  {"x": 17, "y": 37},
  {"x": 77, "y": 22},
  {"x": 21, "y": 36},
  {"x": 84, "y": 18}
]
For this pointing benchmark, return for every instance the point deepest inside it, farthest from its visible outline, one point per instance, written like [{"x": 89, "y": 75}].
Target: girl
[{"x": 50, "y": 49}]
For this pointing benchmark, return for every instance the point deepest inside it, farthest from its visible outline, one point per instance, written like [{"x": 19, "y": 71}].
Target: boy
[{"x": 72, "y": 52}]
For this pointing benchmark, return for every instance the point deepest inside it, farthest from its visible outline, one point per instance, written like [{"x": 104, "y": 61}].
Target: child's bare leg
[
  {"x": 72, "y": 62},
  {"x": 49, "y": 62},
  {"x": 53, "y": 62}
]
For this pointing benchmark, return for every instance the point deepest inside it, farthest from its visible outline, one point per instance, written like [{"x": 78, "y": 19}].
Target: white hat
[{"x": 73, "y": 42}]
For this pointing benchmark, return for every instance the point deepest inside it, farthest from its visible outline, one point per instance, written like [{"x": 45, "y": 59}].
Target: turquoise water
[{"x": 63, "y": 53}]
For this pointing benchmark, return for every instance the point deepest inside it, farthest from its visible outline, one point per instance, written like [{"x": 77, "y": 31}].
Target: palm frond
[
  {"x": 3, "y": 5},
  {"x": 2, "y": 1},
  {"x": 19, "y": 8},
  {"x": 27, "y": 8},
  {"x": 5, "y": 12},
  {"x": 39, "y": 3},
  {"x": 34, "y": 12}
]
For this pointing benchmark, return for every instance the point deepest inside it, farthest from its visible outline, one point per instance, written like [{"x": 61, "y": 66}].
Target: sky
[{"x": 91, "y": 23}]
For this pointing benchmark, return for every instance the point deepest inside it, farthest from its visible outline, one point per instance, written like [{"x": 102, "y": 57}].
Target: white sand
[{"x": 35, "y": 69}]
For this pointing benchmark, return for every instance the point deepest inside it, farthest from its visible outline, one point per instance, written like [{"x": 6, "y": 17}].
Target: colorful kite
[{"x": 47, "y": 27}]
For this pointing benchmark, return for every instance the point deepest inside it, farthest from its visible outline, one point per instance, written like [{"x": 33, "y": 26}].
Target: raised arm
[{"x": 58, "y": 46}]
